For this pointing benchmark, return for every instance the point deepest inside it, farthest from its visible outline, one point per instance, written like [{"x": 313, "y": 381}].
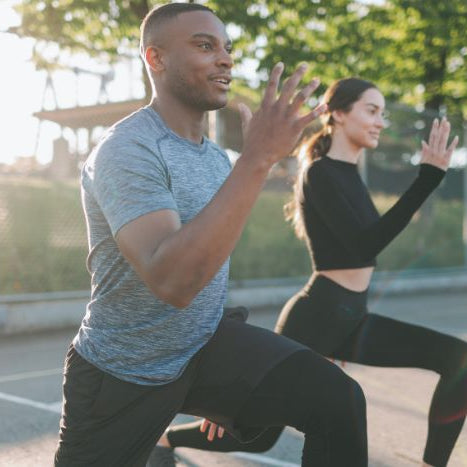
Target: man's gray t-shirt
[{"x": 141, "y": 166}]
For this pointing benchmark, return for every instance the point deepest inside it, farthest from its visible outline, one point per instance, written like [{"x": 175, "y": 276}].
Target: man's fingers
[
  {"x": 304, "y": 94},
  {"x": 273, "y": 83},
  {"x": 245, "y": 115},
  {"x": 291, "y": 84},
  {"x": 315, "y": 113}
]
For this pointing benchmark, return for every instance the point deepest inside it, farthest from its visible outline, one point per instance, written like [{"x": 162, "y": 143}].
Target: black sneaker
[{"x": 161, "y": 457}]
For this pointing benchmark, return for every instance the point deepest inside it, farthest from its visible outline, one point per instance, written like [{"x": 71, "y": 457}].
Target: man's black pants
[{"x": 246, "y": 378}]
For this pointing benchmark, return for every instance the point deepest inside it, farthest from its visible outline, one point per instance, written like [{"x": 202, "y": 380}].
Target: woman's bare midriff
[{"x": 357, "y": 280}]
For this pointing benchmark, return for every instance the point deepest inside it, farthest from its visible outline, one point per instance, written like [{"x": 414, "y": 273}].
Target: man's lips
[{"x": 222, "y": 81}]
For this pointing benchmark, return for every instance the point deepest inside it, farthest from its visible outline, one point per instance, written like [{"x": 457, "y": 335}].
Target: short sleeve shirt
[{"x": 141, "y": 166}]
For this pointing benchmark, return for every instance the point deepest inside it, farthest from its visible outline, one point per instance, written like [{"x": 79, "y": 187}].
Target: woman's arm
[{"x": 368, "y": 241}]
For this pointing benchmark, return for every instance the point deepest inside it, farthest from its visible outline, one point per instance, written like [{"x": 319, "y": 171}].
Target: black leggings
[
  {"x": 377, "y": 341},
  {"x": 327, "y": 406}
]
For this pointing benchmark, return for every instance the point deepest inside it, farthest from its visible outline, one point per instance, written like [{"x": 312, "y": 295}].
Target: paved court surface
[{"x": 398, "y": 399}]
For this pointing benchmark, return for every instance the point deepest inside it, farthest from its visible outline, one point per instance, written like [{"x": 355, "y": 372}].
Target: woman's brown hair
[{"x": 341, "y": 95}]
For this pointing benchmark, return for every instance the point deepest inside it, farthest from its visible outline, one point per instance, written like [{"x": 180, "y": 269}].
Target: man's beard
[{"x": 192, "y": 96}]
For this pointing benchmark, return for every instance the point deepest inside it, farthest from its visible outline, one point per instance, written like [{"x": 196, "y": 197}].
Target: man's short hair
[{"x": 159, "y": 15}]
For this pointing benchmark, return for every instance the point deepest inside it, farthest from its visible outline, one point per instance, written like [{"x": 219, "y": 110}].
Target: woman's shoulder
[{"x": 317, "y": 169}]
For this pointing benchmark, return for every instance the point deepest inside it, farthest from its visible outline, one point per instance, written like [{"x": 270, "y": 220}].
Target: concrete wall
[{"x": 46, "y": 311}]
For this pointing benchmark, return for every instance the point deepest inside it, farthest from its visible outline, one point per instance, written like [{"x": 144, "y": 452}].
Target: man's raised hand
[{"x": 272, "y": 132}]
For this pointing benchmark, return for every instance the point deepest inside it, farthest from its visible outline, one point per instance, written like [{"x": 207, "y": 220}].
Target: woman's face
[{"x": 363, "y": 124}]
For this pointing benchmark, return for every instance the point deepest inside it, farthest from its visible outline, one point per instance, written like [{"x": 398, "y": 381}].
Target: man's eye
[{"x": 206, "y": 46}]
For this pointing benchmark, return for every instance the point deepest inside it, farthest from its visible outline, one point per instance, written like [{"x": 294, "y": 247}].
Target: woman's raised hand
[{"x": 437, "y": 152}]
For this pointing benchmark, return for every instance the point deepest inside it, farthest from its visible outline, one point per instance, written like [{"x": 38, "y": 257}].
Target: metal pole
[
  {"x": 464, "y": 229},
  {"x": 212, "y": 126}
]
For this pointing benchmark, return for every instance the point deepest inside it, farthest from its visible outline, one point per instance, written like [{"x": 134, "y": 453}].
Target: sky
[
  {"x": 22, "y": 92},
  {"x": 17, "y": 101}
]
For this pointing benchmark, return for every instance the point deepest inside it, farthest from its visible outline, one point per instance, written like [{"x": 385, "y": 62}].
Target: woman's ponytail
[{"x": 315, "y": 147}]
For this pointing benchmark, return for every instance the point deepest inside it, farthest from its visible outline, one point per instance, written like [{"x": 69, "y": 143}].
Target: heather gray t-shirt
[{"x": 139, "y": 167}]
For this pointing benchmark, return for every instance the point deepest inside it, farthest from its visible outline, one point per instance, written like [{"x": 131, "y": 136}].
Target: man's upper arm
[{"x": 139, "y": 239}]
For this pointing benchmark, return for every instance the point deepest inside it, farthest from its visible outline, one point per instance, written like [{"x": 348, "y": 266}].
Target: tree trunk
[{"x": 141, "y": 8}]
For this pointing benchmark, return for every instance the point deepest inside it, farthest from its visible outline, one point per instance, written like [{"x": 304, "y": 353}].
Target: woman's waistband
[{"x": 326, "y": 286}]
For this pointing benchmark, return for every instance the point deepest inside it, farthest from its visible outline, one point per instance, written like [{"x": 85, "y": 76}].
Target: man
[{"x": 164, "y": 211}]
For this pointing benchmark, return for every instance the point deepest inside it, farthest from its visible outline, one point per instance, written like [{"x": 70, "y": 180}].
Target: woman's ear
[
  {"x": 154, "y": 57},
  {"x": 337, "y": 116}
]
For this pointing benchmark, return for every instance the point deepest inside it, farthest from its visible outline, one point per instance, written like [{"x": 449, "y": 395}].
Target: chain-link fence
[{"x": 43, "y": 244}]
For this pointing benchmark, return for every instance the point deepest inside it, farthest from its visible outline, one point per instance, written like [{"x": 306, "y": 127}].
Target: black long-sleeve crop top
[{"x": 342, "y": 225}]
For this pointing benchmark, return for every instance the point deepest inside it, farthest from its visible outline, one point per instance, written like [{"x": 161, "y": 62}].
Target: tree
[
  {"x": 103, "y": 28},
  {"x": 415, "y": 50},
  {"x": 107, "y": 29}
]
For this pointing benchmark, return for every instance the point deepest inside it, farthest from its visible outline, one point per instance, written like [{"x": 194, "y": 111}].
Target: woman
[{"x": 333, "y": 212}]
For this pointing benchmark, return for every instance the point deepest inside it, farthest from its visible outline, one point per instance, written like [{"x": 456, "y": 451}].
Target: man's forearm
[
  {"x": 187, "y": 260},
  {"x": 189, "y": 256}
]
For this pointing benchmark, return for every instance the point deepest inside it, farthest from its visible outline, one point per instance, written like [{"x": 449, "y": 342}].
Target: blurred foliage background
[
  {"x": 43, "y": 243},
  {"x": 414, "y": 50}
]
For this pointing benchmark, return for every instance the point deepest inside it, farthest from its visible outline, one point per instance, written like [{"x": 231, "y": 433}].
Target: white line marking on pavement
[
  {"x": 263, "y": 459},
  {"x": 54, "y": 407},
  {"x": 30, "y": 374}
]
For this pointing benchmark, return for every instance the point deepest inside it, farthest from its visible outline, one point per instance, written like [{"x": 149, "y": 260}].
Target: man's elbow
[
  {"x": 175, "y": 296},
  {"x": 173, "y": 288},
  {"x": 178, "y": 302}
]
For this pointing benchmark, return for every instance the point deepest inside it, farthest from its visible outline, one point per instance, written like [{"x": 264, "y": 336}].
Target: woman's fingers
[
  {"x": 433, "y": 132},
  {"x": 425, "y": 149},
  {"x": 436, "y": 151},
  {"x": 452, "y": 147},
  {"x": 204, "y": 424},
  {"x": 213, "y": 428},
  {"x": 212, "y": 431},
  {"x": 444, "y": 130}
]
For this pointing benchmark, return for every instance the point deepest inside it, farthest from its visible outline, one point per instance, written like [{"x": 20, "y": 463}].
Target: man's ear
[{"x": 154, "y": 58}]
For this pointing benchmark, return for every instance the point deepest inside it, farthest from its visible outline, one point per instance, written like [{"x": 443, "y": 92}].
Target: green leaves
[
  {"x": 399, "y": 44},
  {"x": 96, "y": 27}
]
